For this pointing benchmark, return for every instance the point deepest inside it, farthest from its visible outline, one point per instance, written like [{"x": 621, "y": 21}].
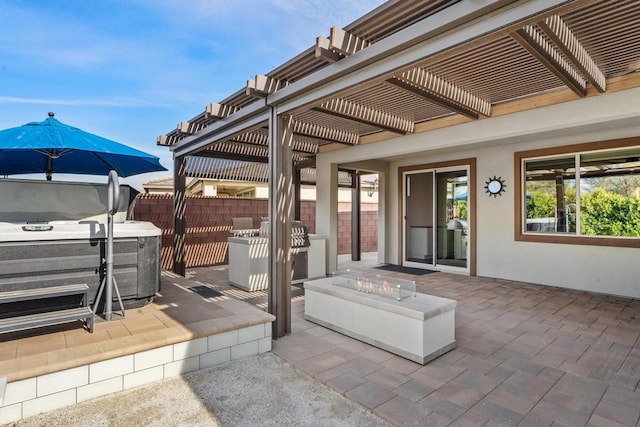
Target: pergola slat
[
  {"x": 564, "y": 39},
  {"x": 325, "y": 133},
  {"x": 442, "y": 92},
  {"x": 544, "y": 52},
  {"x": 262, "y": 140},
  {"x": 252, "y": 138},
  {"x": 367, "y": 115}
]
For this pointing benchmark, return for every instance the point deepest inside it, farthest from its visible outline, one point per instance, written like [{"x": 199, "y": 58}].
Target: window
[
  {"x": 247, "y": 194},
  {"x": 550, "y": 189},
  {"x": 584, "y": 194}
]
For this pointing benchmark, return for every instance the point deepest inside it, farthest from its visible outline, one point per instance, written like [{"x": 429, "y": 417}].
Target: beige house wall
[{"x": 493, "y": 142}]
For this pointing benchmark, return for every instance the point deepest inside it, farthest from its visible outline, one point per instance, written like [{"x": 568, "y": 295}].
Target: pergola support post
[
  {"x": 179, "y": 210},
  {"x": 355, "y": 217},
  {"x": 280, "y": 212},
  {"x": 297, "y": 191}
]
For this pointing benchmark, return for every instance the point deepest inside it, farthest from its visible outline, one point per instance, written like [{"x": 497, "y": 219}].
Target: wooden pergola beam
[
  {"x": 240, "y": 148},
  {"x": 216, "y": 167},
  {"x": 164, "y": 140},
  {"x": 212, "y": 112},
  {"x": 567, "y": 42},
  {"x": 344, "y": 42},
  {"x": 252, "y": 138},
  {"x": 188, "y": 128},
  {"x": 530, "y": 39},
  {"x": 304, "y": 147},
  {"x": 323, "y": 50},
  {"x": 306, "y": 163},
  {"x": 221, "y": 155},
  {"x": 262, "y": 86},
  {"x": 313, "y": 130},
  {"x": 441, "y": 92},
  {"x": 244, "y": 151},
  {"x": 363, "y": 114},
  {"x": 262, "y": 140},
  {"x": 219, "y": 111},
  {"x": 183, "y": 128}
]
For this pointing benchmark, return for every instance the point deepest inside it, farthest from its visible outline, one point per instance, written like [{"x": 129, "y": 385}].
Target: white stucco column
[{"x": 383, "y": 223}]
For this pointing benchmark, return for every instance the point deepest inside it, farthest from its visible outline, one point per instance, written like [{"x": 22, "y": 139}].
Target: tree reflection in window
[{"x": 606, "y": 201}]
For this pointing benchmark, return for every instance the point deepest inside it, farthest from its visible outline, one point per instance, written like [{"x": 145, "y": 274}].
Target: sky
[{"x": 130, "y": 70}]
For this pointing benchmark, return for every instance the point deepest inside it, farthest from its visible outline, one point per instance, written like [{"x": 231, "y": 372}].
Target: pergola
[{"x": 408, "y": 66}]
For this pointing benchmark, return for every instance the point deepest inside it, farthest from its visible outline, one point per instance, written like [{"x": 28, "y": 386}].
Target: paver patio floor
[{"x": 526, "y": 355}]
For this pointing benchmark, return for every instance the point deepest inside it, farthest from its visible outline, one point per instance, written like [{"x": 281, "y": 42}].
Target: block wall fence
[{"x": 209, "y": 223}]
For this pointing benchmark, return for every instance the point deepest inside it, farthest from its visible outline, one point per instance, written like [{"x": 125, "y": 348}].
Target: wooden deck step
[
  {"x": 43, "y": 292},
  {"x": 20, "y": 323}
]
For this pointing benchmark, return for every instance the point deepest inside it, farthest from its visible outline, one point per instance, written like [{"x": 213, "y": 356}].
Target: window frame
[{"x": 570, "y": 239}]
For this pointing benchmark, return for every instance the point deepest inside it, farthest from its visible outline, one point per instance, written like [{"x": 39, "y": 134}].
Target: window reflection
[{"x": 605, "y": 203}]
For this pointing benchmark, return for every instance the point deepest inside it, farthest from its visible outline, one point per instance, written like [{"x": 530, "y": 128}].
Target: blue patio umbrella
[{"x": 54, "y": 147}]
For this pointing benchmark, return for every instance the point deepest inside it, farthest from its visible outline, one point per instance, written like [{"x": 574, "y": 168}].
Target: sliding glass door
[
  {"x": 436, "y": 219},
  {"x": 418, "y": 216}
]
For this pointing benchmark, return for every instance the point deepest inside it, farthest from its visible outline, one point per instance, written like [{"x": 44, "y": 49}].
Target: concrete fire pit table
[{"x": 383, "y": 312}]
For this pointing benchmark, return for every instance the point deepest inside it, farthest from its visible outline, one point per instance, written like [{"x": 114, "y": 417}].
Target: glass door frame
[{"x": 467, "y": 165}]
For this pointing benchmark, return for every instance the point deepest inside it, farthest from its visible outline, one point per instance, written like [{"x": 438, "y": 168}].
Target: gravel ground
[{"x": 258, "y": 391}]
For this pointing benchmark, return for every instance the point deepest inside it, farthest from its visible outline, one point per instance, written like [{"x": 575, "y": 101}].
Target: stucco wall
[
  {"x": 600, "y": 269},
  {"x": 493, "y": 143}
]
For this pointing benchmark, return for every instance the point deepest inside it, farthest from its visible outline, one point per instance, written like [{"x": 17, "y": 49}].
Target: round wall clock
[{"x": 495, "y": 186}]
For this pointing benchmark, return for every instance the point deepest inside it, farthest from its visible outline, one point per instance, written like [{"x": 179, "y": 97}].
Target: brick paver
[{"x": 526, "y": 355}]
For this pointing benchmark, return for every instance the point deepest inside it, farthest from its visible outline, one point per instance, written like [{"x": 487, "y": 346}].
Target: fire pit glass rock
[{"x": 386, "y": 286}]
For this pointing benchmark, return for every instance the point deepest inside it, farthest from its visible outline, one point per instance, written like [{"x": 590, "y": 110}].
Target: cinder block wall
[
  {"x": 209, "y": 223},
  {"x": 368, "y": 227}
]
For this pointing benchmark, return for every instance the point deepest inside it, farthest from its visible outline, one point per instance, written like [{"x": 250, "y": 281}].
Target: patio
[{"x": 526, "y": 355}]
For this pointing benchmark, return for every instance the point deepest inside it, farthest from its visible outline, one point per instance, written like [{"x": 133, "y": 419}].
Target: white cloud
[
  {"x": 132, "y": 69},
  {"x": 167, "y": 51}
]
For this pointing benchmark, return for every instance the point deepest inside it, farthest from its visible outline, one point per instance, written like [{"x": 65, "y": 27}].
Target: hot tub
[{"x": 54, "y": 233}]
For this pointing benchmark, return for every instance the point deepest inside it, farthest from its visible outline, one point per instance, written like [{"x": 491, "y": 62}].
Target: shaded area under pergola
[{"x": 406, "y": 67}]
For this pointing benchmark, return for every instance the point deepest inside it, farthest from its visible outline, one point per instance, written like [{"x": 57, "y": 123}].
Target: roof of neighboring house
[
  {"x": 166, "y": 183},
  {"x": 163, "y": 182},
  {"x": 413, "y": 65}
]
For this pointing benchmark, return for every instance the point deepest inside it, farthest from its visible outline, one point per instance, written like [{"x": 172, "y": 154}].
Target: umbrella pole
[
  {"x": 109, "y": 276},
  {"x": 109, "y": 281},
  {"x": 48, "y": 173}
]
